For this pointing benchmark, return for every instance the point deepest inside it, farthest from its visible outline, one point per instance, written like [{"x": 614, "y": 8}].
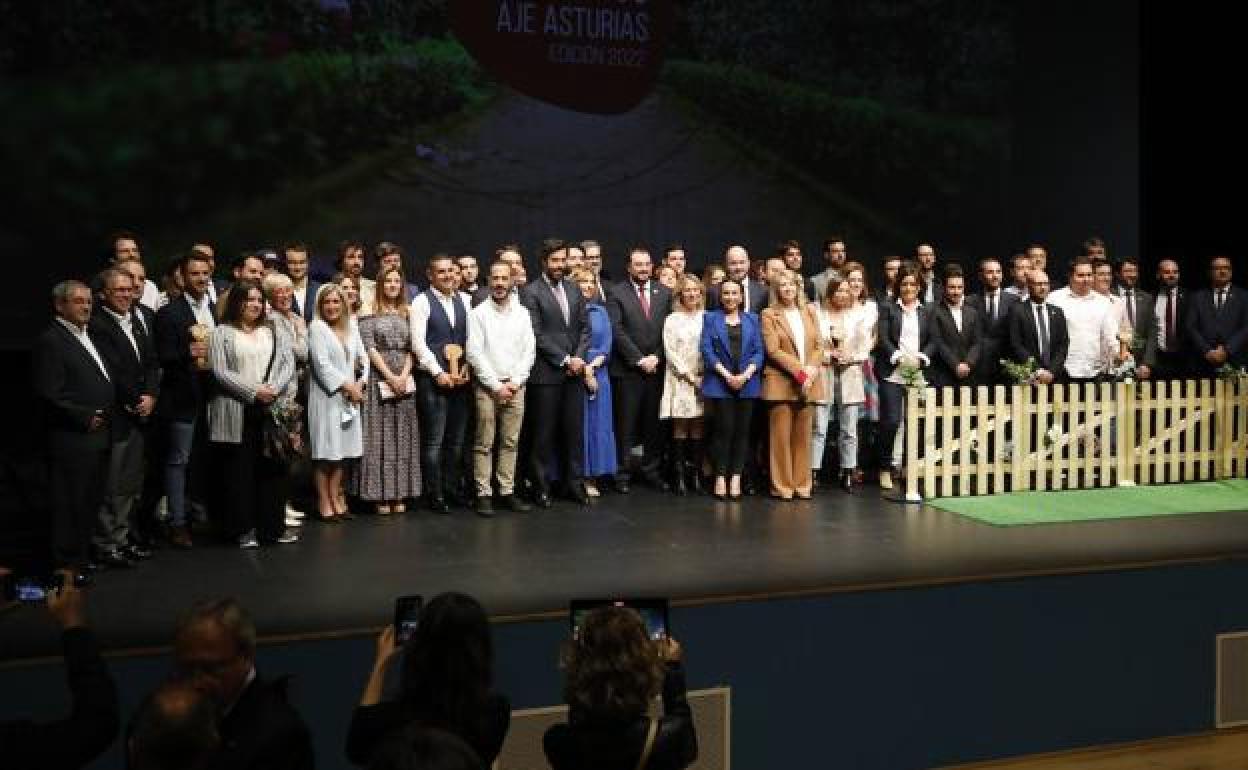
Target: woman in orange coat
[{"x": 791, "y": 385}]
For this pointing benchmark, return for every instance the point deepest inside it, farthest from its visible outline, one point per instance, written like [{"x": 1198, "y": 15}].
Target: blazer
[
  {"x": 71, "y": 389},
  {"x": 996, "y": 333},
  {"x": 1023, "y": 342},
  {"x": 890, "y": 336},
  {"x": 952, "y": 347},
  {"x": 1181, "y": 342},
  {"x": 134, "y": 374},
  {"x": 1145, "y": 326},
  {"x": 263, "y": 732},
  {"x": 1208, "y": 327},
  {"x": 585, "y": 743},
  {"x": 225, "y": 410},
  {"x": 757, "y": 300},
  {"x": 308, "y": 308},
  {"x": 184, "y": 388},
  {"x": 636, "y": 335},
  {"x": 556, "y": 340},
  {"x": 717, "y": 350},
  {"x": 783, "y": 365}
]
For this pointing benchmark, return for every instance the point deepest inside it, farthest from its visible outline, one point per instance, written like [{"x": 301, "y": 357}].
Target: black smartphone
[
  {"x": 654, "y": 612},
  {"x": 406, "y": 616}
]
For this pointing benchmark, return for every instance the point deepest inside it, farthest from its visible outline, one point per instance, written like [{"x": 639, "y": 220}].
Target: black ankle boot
[
  {"x": 693, "y": 466},
  {"x": 847, "y": 480},
  {"x": 678, "y": 465}
]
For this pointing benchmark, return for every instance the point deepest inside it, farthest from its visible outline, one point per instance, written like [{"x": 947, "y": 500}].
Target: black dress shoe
[
  {"x": 621, "y": 486},
  {"x": 542, "y": 499},
  {"x": 484, "y": 506},
  {"x": 657, "y": 481},
  {"x": 113, "y": 560},
  {"x": 577, "y": 493},
  {"x": 135, "y": 553},
  {"x": 513, "y": 503},
  {"x": 438, "y": 505}
]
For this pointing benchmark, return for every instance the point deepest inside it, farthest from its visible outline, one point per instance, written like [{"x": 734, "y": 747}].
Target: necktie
[
  {"x": 1221, "y": 299},
  {"x": 992, "y": 306},
  {"x": 139, "y": 332},
  {"x": 562, "y": 299},
  {"x": 1131, "y": 307},
  {"x": 644, "y": 298},
  {"x": 1043, "y": 340},
  {"x": 1169, "y": 335}
]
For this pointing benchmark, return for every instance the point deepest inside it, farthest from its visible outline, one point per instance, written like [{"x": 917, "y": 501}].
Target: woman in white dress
[
  {"x": 682, "y": 382},
  {"x": 845, "y": 343},
  {"x": 339, "y": 367}
]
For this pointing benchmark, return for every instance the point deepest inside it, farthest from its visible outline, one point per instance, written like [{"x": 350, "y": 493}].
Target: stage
[{"x": 341, "y": 578}]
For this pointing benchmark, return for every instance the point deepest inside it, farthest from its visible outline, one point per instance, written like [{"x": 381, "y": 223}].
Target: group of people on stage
[
  {"x": 220, "y": 710},
  {"x": 207, "y": 393}
]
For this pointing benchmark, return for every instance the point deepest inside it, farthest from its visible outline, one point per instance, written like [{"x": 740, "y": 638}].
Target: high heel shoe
[{"x": 720, "y": 489}]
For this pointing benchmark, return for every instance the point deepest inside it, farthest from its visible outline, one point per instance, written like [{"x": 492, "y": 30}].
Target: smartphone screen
[
  {"x": 30, "y": 590},
  {"x": 654, "y": 612},
  {"x": 406, "y": 617}
]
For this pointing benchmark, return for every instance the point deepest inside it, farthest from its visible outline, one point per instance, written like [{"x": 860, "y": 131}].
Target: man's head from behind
[
  {"x": 424, "y": 748},
  {"x": 174, "y": 729},
  {"x": 215, "y": 649}
]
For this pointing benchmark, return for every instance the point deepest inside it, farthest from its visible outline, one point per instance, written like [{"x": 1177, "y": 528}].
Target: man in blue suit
[{"x": 1217, "y": 322}]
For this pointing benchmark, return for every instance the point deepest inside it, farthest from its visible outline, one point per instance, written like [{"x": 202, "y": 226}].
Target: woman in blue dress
[{"x": 600, "y": 459}]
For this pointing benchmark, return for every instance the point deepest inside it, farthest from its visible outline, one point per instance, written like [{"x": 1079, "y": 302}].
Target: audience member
[
  {"x": 425, "y": 748},
  {"x": 94, "y": 717},
  {"x": 612, "y": 670},
  {"x": 215, "y": 653},
  {"x": 447, "y": 683},
  {"x": 175, "y": 728}
]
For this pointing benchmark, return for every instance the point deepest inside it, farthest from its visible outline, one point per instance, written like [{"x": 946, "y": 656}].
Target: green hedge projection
[
  {"x": 148, "y": 144},
  {"x": 943, "y": 176}
]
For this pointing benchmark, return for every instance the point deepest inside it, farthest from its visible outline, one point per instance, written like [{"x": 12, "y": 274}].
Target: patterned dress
[
  {"x": 390, "y": 467},
  {"x": 682, "y": 338}
]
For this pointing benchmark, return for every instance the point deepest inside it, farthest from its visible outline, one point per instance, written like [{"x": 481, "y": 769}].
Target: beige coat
[{"x": 783, "y": 363}]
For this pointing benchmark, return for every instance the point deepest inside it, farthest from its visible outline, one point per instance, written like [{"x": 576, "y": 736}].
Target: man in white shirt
[
  {"x": 350, "y": 263},
  {"x": 296, "y": 259},
  {"x": 737, "y": 266},
  {"x": 1091, "y": 324},
  {"x": 501, "y": 349},
  {"x": 440, "y": 323}
]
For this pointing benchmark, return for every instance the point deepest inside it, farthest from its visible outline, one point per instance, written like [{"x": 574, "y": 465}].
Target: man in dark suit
[
  {"x": 130, "y": 356},
  {"x": 556, "y": 397},
  {"x": 305, "y": 287},
  {"x": 930, "y": 289},
  {"x": 638, "y": 308},
  {"x": 1217, "y": 322},
  {"x": 994, "y": 305},
  {"x": 737, "y": 266},
  {"x": 1139, "y": 308},
  {"x": 183, "y": 328},
  {"x": 78, "y": 396},
  {"x": 1170, "y": 360},
  {"x": 215, "y": 652},
  {"x": 957, "y": 335},
  {"x": 1038, "y": 331}
]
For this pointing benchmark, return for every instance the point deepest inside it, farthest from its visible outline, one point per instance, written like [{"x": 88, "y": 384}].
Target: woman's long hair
[
  {"x": 448, "y": 666},
  {"x": 613, "y": 668}
]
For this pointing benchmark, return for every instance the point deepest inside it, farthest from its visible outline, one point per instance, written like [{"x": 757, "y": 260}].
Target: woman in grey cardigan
[{"x": 253, "y": 362}]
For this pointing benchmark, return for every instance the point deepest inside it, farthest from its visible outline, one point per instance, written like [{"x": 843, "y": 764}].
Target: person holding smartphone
[
  {"x": 95, "y": 716},
  {"x": 447, "y": 683},
  {"x": 612, "y": 671}
]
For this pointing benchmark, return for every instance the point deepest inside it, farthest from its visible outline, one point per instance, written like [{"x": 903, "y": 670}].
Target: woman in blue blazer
[{"x": 732, "y": 349}]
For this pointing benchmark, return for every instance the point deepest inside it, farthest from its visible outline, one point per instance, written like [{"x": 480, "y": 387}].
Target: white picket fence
[{"x": 981, "y": 441}]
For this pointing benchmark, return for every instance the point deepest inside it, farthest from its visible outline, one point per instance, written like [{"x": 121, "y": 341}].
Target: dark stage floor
[{"x": 344, "y": 577}]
